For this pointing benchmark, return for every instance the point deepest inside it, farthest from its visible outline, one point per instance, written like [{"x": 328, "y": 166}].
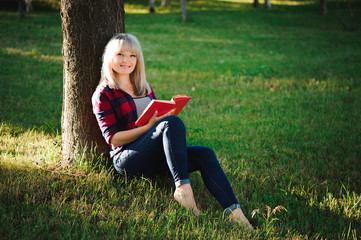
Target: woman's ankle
[
  {"x": 184, "y": 196},
  {"x": 237, "y": 215}
]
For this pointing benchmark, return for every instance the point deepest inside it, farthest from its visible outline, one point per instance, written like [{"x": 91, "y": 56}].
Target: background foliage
[{"x": 37, "y": 4}]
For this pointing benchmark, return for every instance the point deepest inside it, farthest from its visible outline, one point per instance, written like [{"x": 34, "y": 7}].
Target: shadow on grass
[
  {"x": 41, "y": 204},
  {"x": 304, "y": 216}
]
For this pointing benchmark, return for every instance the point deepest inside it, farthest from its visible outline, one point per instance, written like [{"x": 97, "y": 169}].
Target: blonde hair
[{"x": 124, "y": 42}]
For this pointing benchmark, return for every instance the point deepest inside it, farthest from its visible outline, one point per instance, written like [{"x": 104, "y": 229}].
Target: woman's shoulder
[
  {"x": 101, "y": 90},
  {"x": 105, "y": 92},
  {"x": 101, "y": 93}
]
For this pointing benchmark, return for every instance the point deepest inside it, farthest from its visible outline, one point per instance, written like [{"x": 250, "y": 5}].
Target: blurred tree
[
  {"x": 164, "y": 3},
  {"x": 183, "y": 5},
  {"x": 151, "y": 6},
  {"x": 22, "y": 5},
  {"x": 352, "y": 26},
  {"x": 184, "y": 13},
  {"x": 267, "y": 3},
  {"x": 87, "y": 27},
  {"x": 29, "y": 5},
  {"x": 323, "y": 7},
  {"x": 21, "y": 8}
]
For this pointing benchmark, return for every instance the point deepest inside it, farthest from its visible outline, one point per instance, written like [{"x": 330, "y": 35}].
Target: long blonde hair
[{"x": 124, "y": 42}]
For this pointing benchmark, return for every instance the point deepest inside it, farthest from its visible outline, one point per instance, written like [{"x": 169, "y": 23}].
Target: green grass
[{"x": 275, "y": 93}]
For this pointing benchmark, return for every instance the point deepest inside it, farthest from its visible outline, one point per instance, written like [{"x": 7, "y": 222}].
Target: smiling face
[{"x": 124, "y": 62}]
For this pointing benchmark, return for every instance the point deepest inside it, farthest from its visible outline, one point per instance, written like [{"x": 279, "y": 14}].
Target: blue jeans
[{"x": 163, "y": 148}]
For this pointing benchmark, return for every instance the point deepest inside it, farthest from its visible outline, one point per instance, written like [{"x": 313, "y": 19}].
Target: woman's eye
[
  {"x": 120, "y": 54},
  {"x": 132, "y": 55}
]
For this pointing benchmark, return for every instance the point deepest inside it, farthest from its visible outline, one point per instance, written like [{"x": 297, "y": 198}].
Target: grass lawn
[{"x": 276, "y": 93}]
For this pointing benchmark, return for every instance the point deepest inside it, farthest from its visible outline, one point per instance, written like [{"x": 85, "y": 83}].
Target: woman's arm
[{"x": 128, "y": 136}]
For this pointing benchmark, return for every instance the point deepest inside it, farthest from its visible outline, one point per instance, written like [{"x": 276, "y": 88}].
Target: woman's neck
[{"x": 123, "y": 82}]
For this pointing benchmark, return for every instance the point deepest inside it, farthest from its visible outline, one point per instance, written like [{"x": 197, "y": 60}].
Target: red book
[{"x": 162, "y": 106}]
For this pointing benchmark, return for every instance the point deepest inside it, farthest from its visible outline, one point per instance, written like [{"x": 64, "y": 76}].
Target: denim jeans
[{"x": 163, "y": 149}]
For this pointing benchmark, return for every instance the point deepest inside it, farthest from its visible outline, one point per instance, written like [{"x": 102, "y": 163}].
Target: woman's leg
[
  {"x": 203, "y": 159},
  {"x": 175, "y": 149},
  {"x": 164, "y": 142}
]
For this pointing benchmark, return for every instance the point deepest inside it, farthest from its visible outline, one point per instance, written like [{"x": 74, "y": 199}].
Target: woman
[{"x": 159, "y": 146}]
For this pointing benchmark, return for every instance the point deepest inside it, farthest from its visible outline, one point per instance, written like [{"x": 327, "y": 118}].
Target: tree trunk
[
  {"x": 255, "y": 3},
  {"x": 267, "y": 4},
  {"x": 164, "y": 3},
  {"x": 151, "y": 6},
  {"x": 87, "y": 27},
  {"x": 323, "y": 7},
  {"x": 184, "y": 14},
  {"x": 352, "y": 27},
  {"x": 29, "y": 6},
  {"x": 21, "y": 8}
]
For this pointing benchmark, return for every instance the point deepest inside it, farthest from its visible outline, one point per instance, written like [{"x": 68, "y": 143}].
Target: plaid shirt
[{"x": 115, "y": 111}]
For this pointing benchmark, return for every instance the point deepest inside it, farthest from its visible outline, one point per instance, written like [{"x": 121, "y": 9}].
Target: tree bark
[{"x": 87, "y": 27}]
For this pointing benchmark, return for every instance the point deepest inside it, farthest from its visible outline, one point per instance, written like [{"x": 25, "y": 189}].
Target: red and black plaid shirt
[{"x": 115, "y": 111}]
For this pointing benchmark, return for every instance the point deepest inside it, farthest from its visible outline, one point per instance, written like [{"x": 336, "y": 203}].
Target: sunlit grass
[
  {"x": 32, "y": 53},
  {"x": 140, "y": 7},
  {"x": 273, "y": 2}
]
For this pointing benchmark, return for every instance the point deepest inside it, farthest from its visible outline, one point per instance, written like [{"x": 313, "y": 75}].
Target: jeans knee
[
  {"x": 174, "y": 121},
  {"x": 209, "y": 156},
  {"x": 209, "y": 151}
]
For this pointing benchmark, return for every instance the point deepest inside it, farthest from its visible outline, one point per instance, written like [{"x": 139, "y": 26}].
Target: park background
[{"x": 276, "y": 93}]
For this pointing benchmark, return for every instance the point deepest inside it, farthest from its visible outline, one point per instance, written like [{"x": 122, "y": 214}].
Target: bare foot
[
  {"x": 238, "y": 216},
  {"x": 184, "y": 196}
]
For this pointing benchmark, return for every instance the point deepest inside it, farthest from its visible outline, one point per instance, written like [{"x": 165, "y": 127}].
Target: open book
[{"x": 162, "y": 106}]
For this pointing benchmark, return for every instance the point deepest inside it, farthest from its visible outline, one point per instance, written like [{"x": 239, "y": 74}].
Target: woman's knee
[
  {"x": 202, "y": 155},
  {"x": 208, "y": 152},
  {"x": 174, "y": 121},
  {"x": 168, "y": 124}
]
